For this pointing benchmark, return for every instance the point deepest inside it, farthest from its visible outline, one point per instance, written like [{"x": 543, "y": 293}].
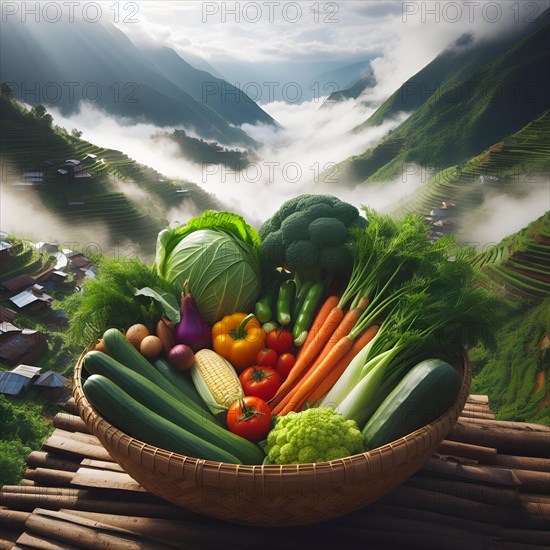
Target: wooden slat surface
[{"x": 476, "y": 492}]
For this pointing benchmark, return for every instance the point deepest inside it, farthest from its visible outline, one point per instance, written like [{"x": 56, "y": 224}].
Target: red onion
[
  {"x": 192, "y": 330},
  {"x": 181, "y": 357}
]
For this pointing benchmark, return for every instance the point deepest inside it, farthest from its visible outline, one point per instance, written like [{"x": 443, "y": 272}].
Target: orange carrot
[
  {"x": 326, "y": 384},
  {"x": 330, "y": 303},
  {"x": 343, "y": 329},
  {"x": 323, "y": 369},
  {"x": 327, "y": 320}
]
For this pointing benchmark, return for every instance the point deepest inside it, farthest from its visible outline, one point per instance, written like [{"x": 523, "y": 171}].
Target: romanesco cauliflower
[{"x": 313, "y": 435}]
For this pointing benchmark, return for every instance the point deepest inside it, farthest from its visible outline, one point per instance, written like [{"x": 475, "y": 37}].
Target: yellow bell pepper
[{"x": 238, "y": 338}]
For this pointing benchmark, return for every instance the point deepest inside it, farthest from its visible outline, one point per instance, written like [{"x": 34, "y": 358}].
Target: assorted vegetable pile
[{"x": 325, "y": 335}]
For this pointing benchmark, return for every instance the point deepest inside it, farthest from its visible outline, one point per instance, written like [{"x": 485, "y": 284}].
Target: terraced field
[
  {"x": 518, "y": 160},
  {"x": 25, "y": 260},
  {"x": 128, "y": 199}
]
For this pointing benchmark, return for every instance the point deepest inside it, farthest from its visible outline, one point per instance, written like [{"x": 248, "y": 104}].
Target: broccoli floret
[
  {"x": 324, "y": 231},
  {"x": 336, "y": 259},
  {"x": 302, "y": 256},
  {"x": 273, "y": 251},
  {"x": 323, "y": 221},
  {"x": 313, "y": 435}
]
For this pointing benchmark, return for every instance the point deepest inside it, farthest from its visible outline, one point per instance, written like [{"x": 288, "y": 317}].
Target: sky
[
  {"x": 285, "y": 41},
  {"x": 398, "y": 37}
]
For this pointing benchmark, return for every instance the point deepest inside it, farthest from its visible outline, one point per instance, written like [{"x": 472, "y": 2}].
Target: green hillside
[
  {"x": 466, "y": 115},
  {"x": 518, "y": 161},
  {"x": 129, "y": 200},
  {"x": 516, "y": 373}
]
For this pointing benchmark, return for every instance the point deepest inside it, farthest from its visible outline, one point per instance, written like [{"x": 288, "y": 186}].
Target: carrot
[
  {"x": 330, "y": 303},
  {"x": 327, "y": 320},
  {"x": 326, "y": 384},
  {"x": 322, "y": 370},
  {"x": 343, "y": 329}
]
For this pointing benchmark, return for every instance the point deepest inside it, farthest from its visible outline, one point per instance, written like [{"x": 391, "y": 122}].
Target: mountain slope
[
  {"x": 467, "y": 116},
  {"x": 110, "y": 72},
  {"x": 123, "y": 202},
  {"x": 224, "y": 98},
  {"x": 517, "y": 372}
]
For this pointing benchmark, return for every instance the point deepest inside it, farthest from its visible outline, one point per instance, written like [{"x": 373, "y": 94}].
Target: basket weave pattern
[{"x": 272, "y": 495}]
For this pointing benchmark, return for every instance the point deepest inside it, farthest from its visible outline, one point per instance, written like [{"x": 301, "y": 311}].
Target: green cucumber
[
  {"x": 178, "y": 412},
  {"x": 425, "y": 392},
  {"x": 124, "y": 352},
  {"x": 127, "y": 414},
  {"x": 179, "y": 379}
]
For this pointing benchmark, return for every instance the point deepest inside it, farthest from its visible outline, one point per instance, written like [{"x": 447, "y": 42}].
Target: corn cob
[{"x": 215, "y": 380}]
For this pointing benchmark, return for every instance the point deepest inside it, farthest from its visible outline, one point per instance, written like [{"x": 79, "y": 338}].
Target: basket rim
[{"x": 95, "y": 421}]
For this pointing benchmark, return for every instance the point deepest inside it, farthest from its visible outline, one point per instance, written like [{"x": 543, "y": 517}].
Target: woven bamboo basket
[{"x": 273, "y": 495}]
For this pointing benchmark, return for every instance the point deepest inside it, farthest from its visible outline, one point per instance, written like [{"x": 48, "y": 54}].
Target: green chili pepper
[
  {"x": 300, "y": 298},
  {"x": 287, "y": 292},
  {"x": 305, "y": 317}
]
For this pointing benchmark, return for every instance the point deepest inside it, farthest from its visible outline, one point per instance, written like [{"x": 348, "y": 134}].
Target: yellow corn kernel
[{"x": 215, "y": 380}]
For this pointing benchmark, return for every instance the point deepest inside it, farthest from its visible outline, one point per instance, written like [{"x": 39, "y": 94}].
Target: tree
[
  {"x": 7, "y": 92},
  {"x": 41, "y": 114},
  {"x": 76, "y": 133}
]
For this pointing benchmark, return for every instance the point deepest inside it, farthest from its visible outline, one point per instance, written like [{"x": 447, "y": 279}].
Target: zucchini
[
  {"x": 182, "y": 381},
  {"x": 425, "y": 393},
  {"x": 124, "y": 352},
  {"x": 127, "y": 414},
  {"x": 201, "y": 424}
]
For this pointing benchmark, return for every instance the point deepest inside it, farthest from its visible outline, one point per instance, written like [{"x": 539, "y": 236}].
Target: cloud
[
  {"x": 507, "y": 208},
  {"x": 23, "y": 213}
]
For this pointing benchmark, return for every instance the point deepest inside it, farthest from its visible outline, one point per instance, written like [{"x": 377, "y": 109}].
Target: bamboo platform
[{"x": 486, "y": 488}]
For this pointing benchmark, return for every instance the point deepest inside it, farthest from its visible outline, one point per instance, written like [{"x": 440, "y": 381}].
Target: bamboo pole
[
  {"x": 489, "y": 529},
  {"x": 67, "y": 445},
  {"x": 29, "y": 501},
  {"x": 70, "y": 406},
  {"x": 445, "y": 504},
  {"x": 13, "y": 519},
  {"x": 523, "y": 426},
  {"x": 505, "y": 440},
  {"x": 56, "y": 478},
  {"x": 524, "y": 463},
  {"x": 498, "y": 496},
  {"x": 534, "y": 482},
  {"x": 484, "y": 455},
  {"x": 40, "y": 459},
  {"x": 86, "y": 537},
  {"x": 527, "y": 536},
  {"x": 70, "y": 423},
  {"x": 29, "y": 540},
  {"x": 479, "y": 399},
  {"x": 478, "y": 474},
  {"x": 468, "y": 416}
]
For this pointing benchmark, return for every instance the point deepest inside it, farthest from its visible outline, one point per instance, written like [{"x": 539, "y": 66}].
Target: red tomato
[
  {"x": 284, "y": 364},
  {"x": 249, "y": 417},
  {"x": 267, "y": 358},
  {"x": 279, "y": 340},
  {"x": 261, "y": 382}
]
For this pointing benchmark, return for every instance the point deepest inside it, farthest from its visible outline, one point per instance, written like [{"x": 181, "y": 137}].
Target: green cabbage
[{"x": 220, "y": 255}]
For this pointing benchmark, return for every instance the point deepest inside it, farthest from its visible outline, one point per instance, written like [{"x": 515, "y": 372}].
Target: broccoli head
[
  {"x": 313, "y": 435},
  {"x": 309, "y": 234}
]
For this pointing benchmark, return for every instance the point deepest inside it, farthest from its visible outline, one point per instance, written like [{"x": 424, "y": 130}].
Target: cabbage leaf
[{"x": 220, "y": 255}]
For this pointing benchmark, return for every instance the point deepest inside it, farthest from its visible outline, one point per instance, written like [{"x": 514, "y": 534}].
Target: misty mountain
[
  {"x": 467, "y": 115},
  {"x": 66, "y": 63},
  {"x": 453, "y": 65},
  {"x": 342, "y": 78},
  {"x": 217, "y": 94},
  {"x": 354, "y": 91}
]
